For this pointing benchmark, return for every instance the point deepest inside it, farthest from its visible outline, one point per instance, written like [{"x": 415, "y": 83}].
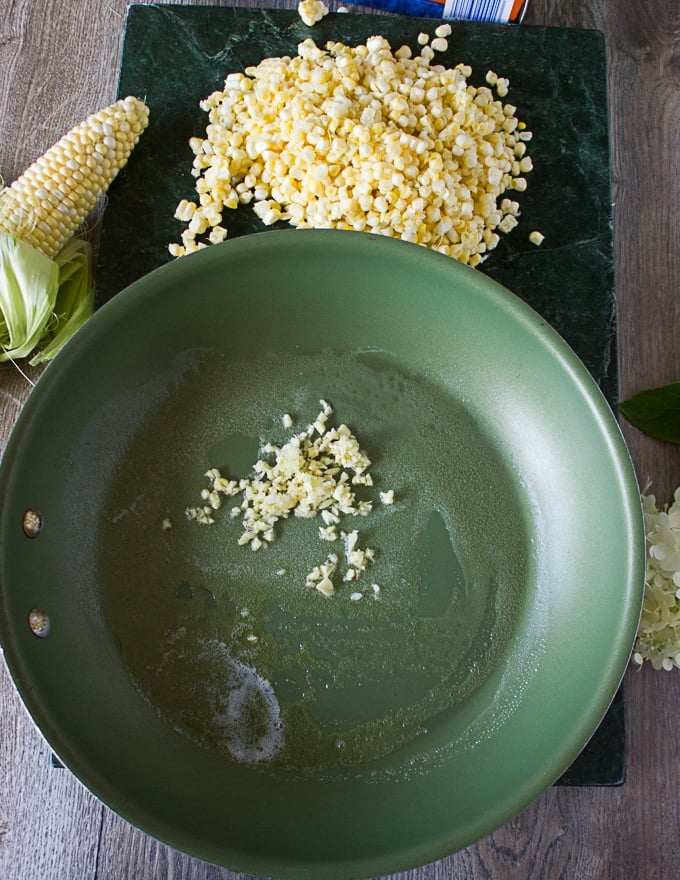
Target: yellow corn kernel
[
  {"x": 217, "y": 234},
  {"x": 311, "y": 11},
  {"x": 185, "y": 210},
  {"x": 48, "y": 203}
]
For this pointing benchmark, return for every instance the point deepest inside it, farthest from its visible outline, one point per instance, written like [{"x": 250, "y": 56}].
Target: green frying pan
[{"x": 200, "y": 689}]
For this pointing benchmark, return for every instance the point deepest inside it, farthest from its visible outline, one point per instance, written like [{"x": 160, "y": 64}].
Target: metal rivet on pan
[
  {"x": 32, "y": 523},
  {"x": 39, "y": 622}
]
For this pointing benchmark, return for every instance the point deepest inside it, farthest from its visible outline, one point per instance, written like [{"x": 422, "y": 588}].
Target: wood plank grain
[
  {"x": 78, "y": 47},
  {"x": 49, "y": 823},
  {"x": 645, "y": 109},
  {"x": 127, "y": 852},
  {"x": 643, "y": 46}
]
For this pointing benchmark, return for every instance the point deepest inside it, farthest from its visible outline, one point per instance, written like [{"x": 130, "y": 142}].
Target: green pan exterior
[{"x": 281, "y": 292}]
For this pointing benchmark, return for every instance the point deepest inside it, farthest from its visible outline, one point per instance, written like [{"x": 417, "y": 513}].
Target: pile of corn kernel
[
  {"x": 362, "y": 138},
  {"x": 314, "y": 472}
]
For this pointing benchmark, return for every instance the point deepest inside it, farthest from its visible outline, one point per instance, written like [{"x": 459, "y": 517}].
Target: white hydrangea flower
[{"x": 658, "y": 637}]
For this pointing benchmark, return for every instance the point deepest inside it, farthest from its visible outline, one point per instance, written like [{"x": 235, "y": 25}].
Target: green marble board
[{"x": 174, "y": 56}]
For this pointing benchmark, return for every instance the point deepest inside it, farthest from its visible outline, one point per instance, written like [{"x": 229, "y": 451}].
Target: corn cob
[{"x": 48, "y": 203}]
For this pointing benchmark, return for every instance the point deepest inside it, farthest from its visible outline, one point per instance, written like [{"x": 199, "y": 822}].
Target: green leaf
[{"x": 656, "y": 412}]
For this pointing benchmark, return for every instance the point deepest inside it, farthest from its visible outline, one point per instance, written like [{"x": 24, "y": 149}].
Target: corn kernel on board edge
[{"x": 174, "y": 56}]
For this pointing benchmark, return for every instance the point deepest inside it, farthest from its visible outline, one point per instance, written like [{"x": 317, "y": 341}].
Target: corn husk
[{"x": 42, "y": 301}]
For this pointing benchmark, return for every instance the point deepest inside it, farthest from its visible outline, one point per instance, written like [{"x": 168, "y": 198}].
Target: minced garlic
[
  {"x": 312, "y": 474},
  {"x": 357, "y": 559},
  {"x": 321, "y": 576}
]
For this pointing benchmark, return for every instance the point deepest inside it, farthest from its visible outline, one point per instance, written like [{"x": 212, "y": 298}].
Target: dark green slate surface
[{"x": 174, "y": 56}]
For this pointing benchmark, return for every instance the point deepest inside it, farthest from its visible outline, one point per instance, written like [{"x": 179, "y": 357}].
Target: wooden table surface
[{"x": 58, "y": 63}]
